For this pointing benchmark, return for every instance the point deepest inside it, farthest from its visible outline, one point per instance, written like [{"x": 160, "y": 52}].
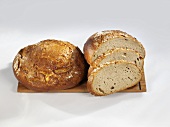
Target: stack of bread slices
[{"x": 116, "y": 61}]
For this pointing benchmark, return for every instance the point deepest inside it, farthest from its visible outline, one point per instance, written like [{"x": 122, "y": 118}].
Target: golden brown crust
[
  {"x": 50, "y": 64},
  {"x": 94, "y": 41},
  {"x": 95, "y": 71},
  {"x": 90, "y": 46}
]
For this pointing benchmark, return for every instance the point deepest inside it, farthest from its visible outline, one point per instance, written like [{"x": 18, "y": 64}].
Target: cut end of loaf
[{"x": 113, "y": 77}]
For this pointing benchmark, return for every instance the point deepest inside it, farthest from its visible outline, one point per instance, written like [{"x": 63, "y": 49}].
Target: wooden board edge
[{"x": 140, "y": 87}]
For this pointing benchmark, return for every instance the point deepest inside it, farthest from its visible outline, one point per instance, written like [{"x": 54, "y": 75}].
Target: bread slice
[
  {"x": 113, "y": 77},
  {"x": 104, "y": 41},
  {"x": 118, "y": 54}
]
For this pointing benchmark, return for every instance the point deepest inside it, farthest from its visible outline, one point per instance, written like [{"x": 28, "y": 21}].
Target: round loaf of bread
[
  {"x": 101, "y": 42},
  {"x": 48, "y": 65}
]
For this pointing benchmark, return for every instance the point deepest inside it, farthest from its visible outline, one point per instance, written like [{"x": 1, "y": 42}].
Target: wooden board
[{"x": 140, "y": 87}]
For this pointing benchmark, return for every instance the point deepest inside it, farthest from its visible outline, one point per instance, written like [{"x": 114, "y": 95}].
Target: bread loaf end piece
[{"x": 104, "y": 41}]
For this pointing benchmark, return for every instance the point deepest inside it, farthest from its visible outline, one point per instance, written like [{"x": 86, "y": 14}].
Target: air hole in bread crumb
[
  {"x": 114, "y": 83},
  {"x": 112, "y": 87},
  {"x": 124, "y": 55},
  {"x": 135, "y": 61},
  {"x": 130, "y": 78},
  {"x": 138, "y": 59},
  {"x": 126, "y": 71},
  {"x": 101, "y": 90}
]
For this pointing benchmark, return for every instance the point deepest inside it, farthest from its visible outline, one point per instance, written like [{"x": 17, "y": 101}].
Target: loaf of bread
[
  {"x": 49, "y": 64},
  {"x": 128, "y": 55},
  {"x": 116, "y": 60},
  {"x": 101, "y": 42},
  {"x": 113, "y": 77}
]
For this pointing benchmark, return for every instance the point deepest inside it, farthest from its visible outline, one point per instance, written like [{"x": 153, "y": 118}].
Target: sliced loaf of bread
[
  {"x": 113, "y": 77},
  {"x": 128, "y": 55},
  {"x": 104, "y": 41}
]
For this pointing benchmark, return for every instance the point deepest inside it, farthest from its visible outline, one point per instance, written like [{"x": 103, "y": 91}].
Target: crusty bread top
[
  {"x": 49, "y": 64},
  {"x": 95, "y": 41},
  {"x": 56, "y": 51}
]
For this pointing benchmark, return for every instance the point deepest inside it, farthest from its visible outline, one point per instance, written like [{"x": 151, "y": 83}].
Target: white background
[{"x": 27, "y": 22}]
